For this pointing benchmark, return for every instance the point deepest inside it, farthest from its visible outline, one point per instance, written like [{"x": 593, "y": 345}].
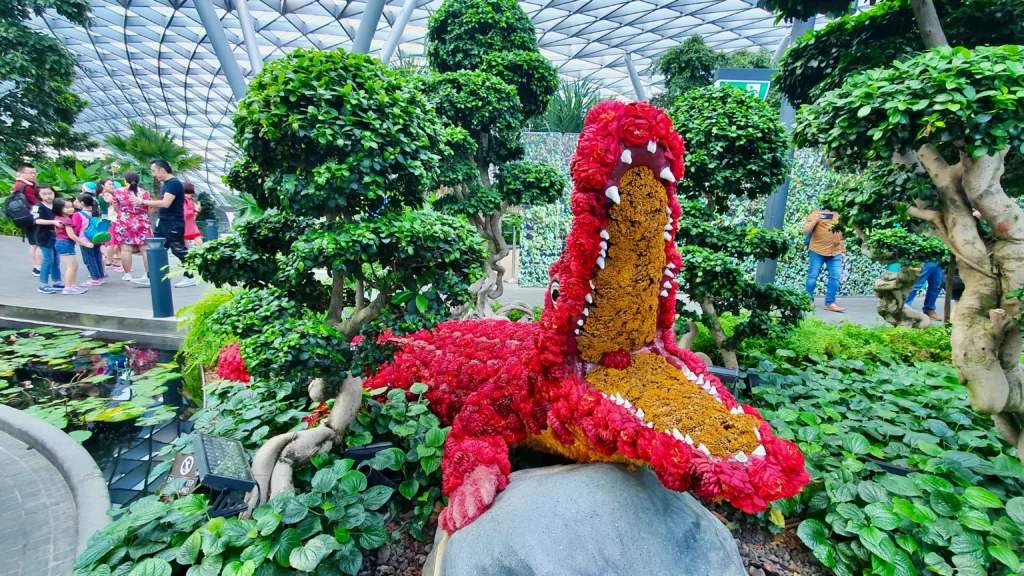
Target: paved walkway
[
  {"x": 38, "y": 526},
  {"x": 115, "y": 298}
]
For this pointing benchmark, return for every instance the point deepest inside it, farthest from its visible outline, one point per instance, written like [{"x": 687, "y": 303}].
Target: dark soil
[
  {"x": 767, "y": 554},
  {"x": 404, "y": 557}
]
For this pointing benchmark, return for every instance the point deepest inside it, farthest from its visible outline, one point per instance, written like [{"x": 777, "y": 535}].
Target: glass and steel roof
[{"x": 151, "y": 60}]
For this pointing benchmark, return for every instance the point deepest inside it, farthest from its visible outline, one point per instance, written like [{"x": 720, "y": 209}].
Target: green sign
[{"x": 759, "y": 87}]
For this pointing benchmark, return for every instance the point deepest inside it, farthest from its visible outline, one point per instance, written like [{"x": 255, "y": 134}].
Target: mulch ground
[{"x": 763, "y": 553}]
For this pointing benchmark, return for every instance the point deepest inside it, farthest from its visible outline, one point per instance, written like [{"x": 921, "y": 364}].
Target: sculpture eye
[{"x": 554, "y": 290}]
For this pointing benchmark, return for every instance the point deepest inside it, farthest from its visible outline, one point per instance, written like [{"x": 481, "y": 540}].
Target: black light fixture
[{"x": 223, "y": 467}]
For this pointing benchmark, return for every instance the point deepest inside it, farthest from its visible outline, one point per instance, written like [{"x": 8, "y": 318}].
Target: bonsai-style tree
[
  {"x": 692, "y": 65},
  {"x": 894, "y": 238},
  {"x": 37, "y": 103},
  {"x": 735, "y": 147},
  {"x": 338, "y": 150},
  {"x": 489, "y": 80},
  {"x": 956, "y": 115}
]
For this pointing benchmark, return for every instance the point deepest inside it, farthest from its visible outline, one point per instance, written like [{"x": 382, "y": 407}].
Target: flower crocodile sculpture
[{"x": 600, "y": 377}]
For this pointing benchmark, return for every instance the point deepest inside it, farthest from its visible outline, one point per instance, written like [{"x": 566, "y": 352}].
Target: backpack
[
  {"x": 97, "y": 230},
  {"x": 17, "y": 208}
]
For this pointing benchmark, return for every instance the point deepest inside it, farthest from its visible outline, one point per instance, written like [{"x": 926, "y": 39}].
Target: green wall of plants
[{"x": 544, "y": 228}]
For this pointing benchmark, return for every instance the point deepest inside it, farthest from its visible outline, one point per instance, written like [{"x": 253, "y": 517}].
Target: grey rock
[{"x": 584, "y": 519}]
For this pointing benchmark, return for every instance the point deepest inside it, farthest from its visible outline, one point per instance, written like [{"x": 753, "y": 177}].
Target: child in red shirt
[{"x": 67, "y": 237}]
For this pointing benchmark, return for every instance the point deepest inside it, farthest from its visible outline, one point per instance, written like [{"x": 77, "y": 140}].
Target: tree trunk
[
  {"x": 718, "y": 334},
  {"x": 928, "y": 23},
  {"x": 986, "y": 337},
  {"x": 337, "y": 305},
  {"x": 273, "y": 464},
  {"x": 686, "y": 340},
  {"x": 892, "y": 289}
]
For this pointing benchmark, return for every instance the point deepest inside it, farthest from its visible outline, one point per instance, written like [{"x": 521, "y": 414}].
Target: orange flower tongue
[
  {"x": 624, "y": 314},
  {"x": 670, "y": 401}
]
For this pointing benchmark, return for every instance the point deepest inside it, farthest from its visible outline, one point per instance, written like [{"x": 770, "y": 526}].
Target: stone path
[{"x": 38, "y": 526}]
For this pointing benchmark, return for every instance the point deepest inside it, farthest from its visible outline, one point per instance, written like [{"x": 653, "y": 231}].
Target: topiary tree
[
  {"x": 692, "y": 65},
  {"x": 489, "y": 80},
  {"x": 735, "y": 147},
  {"x": 886, "y": 234},
  {"x": 956, "y": 115},
  {"x": 338, "y": 151}
]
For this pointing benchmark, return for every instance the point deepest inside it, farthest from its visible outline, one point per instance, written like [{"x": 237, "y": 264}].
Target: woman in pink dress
[
  {"x": 111, "y": 248},
  {"x": 192, "y": 209},
  {"x": 132, "y": 226}
]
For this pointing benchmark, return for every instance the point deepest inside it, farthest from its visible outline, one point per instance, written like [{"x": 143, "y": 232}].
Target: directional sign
[{"x": 756, "y": 80}]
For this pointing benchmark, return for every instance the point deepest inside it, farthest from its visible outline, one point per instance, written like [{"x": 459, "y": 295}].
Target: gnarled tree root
[{"x": 273, "y": 465}]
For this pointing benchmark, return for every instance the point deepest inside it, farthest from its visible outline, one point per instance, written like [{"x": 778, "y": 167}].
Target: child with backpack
[
  {"x": 66, "y": 238},
  {"x": 86, "y": 222},
  {"x": 44, "y": 220}
]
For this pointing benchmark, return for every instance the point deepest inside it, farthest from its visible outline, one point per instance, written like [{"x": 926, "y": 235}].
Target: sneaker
[
  {"x": 141, "y": 281},
  {"x": 127, "y": 277},
  {"x": 35, "y": 272},
  {"x": 92, "y": 282},
  {"x": 71, "y": 290},
  {"x": 47, "y": 289},
  {"x": 835, "y": 308},
  {"x": 58, "y": 286},
  {"x": 186, "y": 283},
  {"x": 117, "y": 269}
]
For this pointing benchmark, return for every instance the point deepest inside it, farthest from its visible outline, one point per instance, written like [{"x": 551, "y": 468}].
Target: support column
[
  {"x": 215, "y": 32},
  {"x": 252, "y": 45},
  {"x": 367, "y": 26},
  {"x": 775, "y": 207},
  {"x": 638, "y": 88},
  {"x": 396, "y": 31}
]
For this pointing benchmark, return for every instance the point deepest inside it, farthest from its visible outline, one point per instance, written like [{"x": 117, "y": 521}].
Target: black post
[
  {"x": 159, "y": 283},
  {"x": 211, "y": 230}
]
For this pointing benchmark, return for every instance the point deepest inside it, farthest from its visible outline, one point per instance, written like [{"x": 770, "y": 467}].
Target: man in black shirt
[{"x": 171, "y": 226}]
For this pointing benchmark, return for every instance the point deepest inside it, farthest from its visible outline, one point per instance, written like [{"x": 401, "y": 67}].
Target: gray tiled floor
[{"x": 38, "y": 530}]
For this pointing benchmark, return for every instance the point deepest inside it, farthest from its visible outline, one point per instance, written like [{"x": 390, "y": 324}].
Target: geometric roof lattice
[{"x": 151, "y": 60}]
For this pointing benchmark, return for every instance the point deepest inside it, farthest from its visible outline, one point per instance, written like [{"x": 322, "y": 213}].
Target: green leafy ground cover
[
  {"x": 906, "y": 478},
  {"x": 46, "y": 372}
]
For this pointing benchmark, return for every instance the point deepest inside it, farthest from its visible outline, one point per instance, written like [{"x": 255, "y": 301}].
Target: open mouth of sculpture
[{"x": 617, "y": 332}]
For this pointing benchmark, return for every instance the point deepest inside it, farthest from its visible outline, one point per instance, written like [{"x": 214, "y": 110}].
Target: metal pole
[
  {"x": 396, "y": 31},
  {"x": 367, "y": 26},
  {"x": 252, "y": 45},
  {"x": 215, "y": 32},
  {"x": 211, "y": 230},
  {"x": 159, "y": 283},
  {"x": 775, "y": 207},
  {"x": 638, "y": 88}
]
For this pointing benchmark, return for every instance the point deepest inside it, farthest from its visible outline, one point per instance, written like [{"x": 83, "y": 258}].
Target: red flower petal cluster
[
  {"x": 231, "y": 366},
  {"x": 314, "y": 417}
]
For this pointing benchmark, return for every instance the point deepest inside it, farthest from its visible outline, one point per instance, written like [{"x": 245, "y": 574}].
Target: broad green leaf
[
  {"x": 303, "y": 559},
  {"x": 376, "y": 496},
  {"x": 353, "y": 481},
  {"x": 418, "y": 388},
  {"x": 256, "y": 552},
  {"x": 421, "y": 303},
  {"x": 907, "y": 542},
  {"x": 151, "y": 567},
  {"x": 812, "y": 533},
  {"x": 1006, "y": 556},
  {"x": 430, "y": 464},
  {"x": 975, "y": 520},
  {"x": 436, "y": 436},
  {"x": 1015, "y": 510},
  {"x": 237, "y": 568},
  {"x": 147, "y": 512},
  {"x": 856, "y": 443},
  {"x": 325, "y": 479},
  {"x": 982, "y": 498},
  {"x": 881, "y": 517},
  {"x": 80, "y": 435},
  {"x": 372, "y": 537},
  {"x": 900, "y": 485},
  {"x": 878, "y": 543},
  {"x": 284, "y": 544},
  {"x": 937, "y": 564},
  {"x": 188, "y": 552},
  {"x": 409, "y": 488},
  {"x": 872, "y": 492}
]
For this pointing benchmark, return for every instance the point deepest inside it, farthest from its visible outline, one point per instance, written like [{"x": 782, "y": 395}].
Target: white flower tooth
[
  {"x": 650, "y": 424},
  {"x": 700, "y": 379},
  {"x": 677, "y": 434},
  {"x": 603, "y": 245},
  {"x": 664, "y": 293},
  {"x": 586, "y": 311},
  {"x": 670, "y": 273},
  {"x": 579, "y": 322},
  {"x": 627, "y": 156},
  {"x": 669, "y": 210},
  {"x": 668, "y": 227},
  {"x": 760, "y": 452},
  {"x": 666, "y": 174},
  {"x": 600, "y": 262},
  {"x": 589, "y": 298},
  {"x": 627, "y": 404},
  {"x": 619, "y": 398},
  {"x": 704, "y": 449},
  {"x": 613, "y": 193},
  {"x": 668, "y": 237},
  {"x": 592, "y": 287},
  {"x": 671, "y": 266},
  {"x": 666, "y": 285},
  {"x": 652, "y": 146},
  {"x": 640, "y": 413},
  {"x": 577, "y": 331},
  {"x": 688, "y": 439},
  {"x": 604, "y": 235},
  {"x": 736, "y": 410},
  {"x": 758, "y": 434},
  {"x": 741, "y": 457}
]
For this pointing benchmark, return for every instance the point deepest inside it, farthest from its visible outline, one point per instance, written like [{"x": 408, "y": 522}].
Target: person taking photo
[{"x": 826, "y": 249}]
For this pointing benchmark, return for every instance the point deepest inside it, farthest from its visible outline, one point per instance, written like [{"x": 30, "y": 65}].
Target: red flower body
[{"x": 231, "y": 366}]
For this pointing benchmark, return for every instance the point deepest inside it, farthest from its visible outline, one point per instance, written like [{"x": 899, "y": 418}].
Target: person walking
[
  {"x": 931, "y": 273},
  {"x": 25, "y": 182},
  {"x": 826, "y": 249},
  {"x": 132, "y": 226},
  {"x": 171, "y": 226},
  {"x": 192, "y": 209}
]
